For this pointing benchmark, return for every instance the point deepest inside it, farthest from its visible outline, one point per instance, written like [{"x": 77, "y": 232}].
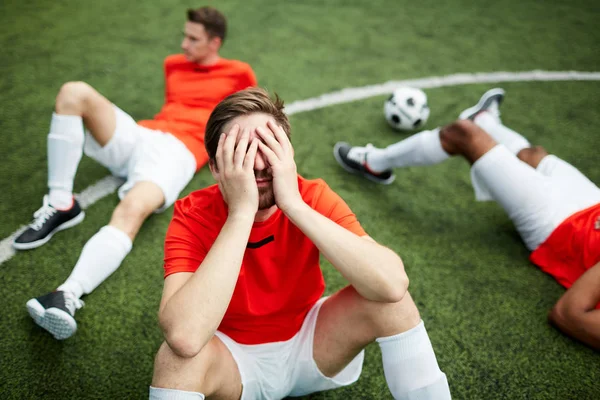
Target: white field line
[
  {"x": 353, "y": 94},
  {"x": 109, "y": 184}
]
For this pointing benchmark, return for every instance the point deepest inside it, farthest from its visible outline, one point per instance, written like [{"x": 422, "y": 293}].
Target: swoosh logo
[{"x": 260, "y": 243}]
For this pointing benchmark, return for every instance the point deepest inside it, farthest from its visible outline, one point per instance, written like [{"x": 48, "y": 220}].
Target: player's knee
[
  {"x": 179, "y": 366},
  {"x": 71, "y": 98},
  {"x": 131, "y": 210},
  {"x": 129, "y": 216},
  {"x": 458, "y": 136},
  {"x": 532, "y": 155},
  {"x": 382, "y": 317},
  {"x": 171, "y": 360}
]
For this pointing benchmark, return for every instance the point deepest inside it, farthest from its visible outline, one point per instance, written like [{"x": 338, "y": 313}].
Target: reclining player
[{"x": 554, "y": 207}]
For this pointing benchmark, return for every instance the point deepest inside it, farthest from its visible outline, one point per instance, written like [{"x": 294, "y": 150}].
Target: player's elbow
[
  {"x": 396, "y": 292},
  {"x": 395, "y": 285},
  {"x": 185, "y": 346},
  {"x": 576, "y": 322},
  {"x": 558, "y": 315},
  {"x": 180, "y": 340},
  {"x": 565, "y": 315}
]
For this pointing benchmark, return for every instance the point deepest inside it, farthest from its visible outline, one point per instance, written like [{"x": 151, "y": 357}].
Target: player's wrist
[
  {"x": 294, "y": 207},
  {"x": 242, "y": 214}
]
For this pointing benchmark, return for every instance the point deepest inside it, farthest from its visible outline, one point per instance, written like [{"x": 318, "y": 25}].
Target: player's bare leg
[
  {"x": 140, "y": 202},
  {"x": 81, "y": 100},
  {"x": 532, "y": 155},
  {"x": 347, "y": 322},
  {"x": 213, "y": 372}
]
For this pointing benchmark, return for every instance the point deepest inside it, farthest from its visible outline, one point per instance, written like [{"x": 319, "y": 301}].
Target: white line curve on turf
[
  {"x": 109, "y": 184},
  {"x": 360, "y": 93}
]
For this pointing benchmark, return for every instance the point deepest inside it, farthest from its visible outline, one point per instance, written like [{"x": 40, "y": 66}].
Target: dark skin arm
[{"x": 575, "y": 312}]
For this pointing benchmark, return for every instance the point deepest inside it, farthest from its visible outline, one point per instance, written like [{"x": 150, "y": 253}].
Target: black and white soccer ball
[{"x": 406, "y": 109}]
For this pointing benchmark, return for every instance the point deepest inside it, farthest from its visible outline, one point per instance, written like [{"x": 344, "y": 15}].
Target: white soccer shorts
[
  {"x": 140, "y": 154},
  {"x": 280, "y": 369},
  {"x": 537, "y": 200}
]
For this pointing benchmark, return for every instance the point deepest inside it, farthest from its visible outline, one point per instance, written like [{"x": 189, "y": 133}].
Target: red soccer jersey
[
  {"x": 191, "y": 93},
  {"x": 572, "y": 248},
  {"x": 280, "y": 277}
]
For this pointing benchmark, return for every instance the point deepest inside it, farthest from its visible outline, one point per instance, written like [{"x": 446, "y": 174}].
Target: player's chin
[{"x": 266, "y": 198}]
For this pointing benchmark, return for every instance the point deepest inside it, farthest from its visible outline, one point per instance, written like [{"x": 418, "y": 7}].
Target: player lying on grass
[
  {"x": 242, "y": 312},
  {"x": 157, "y": 157},
  {"x": 554, "y": 207}
]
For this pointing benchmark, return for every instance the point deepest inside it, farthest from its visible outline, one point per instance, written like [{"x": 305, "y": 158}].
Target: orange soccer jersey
[
  {"x": 280, "y": 277},
  {"x": 572, "y": 248},
  {"x": 191, "y": 93}
]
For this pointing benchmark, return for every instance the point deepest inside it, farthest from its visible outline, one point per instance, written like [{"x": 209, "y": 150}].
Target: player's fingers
[
  {"x": 234, "y": 129},
  {"x": 251, "y": 155},
  {"x": 229, "y": 146},
  {"x": 268, "y": 153},
  {"x": 241, "y": 148},
  {"x": 270, "y": 141},
  {"x": 219, "y": 153},
  {"x": 280, "y": 135}
]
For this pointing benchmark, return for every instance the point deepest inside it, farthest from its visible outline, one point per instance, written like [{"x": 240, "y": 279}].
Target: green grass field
[{"x": 483, "y": 303}]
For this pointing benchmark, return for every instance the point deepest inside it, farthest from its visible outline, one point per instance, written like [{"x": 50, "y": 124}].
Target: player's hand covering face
[
  {"x": 235, "y": 164},
  {"x": 276, "y": 147}
]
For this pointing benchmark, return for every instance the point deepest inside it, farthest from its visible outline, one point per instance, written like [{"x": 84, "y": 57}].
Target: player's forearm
[
  {"x": 375, "y": 271},
  {"x": 194, "y": 312},
  {"x": 583, "y": 326},
  {"x": 575, "y": 312}
]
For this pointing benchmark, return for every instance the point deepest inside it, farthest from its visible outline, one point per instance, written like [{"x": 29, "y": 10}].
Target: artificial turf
[{"x": 483, "y": 303}]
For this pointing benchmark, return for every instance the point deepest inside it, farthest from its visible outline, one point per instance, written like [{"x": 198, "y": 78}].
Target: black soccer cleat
[
  {"x": 46, "y": 222},
  {"x": 490, "y": 101},
  {"x": 354, "y": 160},
  {"x": 55, "y": 313}
]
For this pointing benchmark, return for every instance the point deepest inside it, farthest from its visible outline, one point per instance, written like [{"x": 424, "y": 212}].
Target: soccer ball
[{"x": 406, "y": 109}]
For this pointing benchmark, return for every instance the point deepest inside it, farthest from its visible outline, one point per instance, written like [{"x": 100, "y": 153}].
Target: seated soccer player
[
  {"x": 242, "y": 312},
  {"x": 156, "y": 157},
  {"x": 554, "y": 207}
]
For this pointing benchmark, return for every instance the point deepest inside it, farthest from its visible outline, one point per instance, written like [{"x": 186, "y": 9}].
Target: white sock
[
  {"x": 514, "y": 141},
  {"x": 60, "y": 199},
  {"x": 410, "y": 367},
  {"x": 100, "y": 257},
  {"x": 65, "y": 147},
  {"x": 173, "y": 394},
  {"x": 73, "y": 287},
  {"x": 423, "y": 148}
]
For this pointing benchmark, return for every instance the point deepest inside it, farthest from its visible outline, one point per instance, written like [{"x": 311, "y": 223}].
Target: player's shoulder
[
  {"x": 236, "y": 64},
  {"x": 176, "y": 59},
  {"x": 204, "y": 205},
  {"x": 312, "y": 189}
]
